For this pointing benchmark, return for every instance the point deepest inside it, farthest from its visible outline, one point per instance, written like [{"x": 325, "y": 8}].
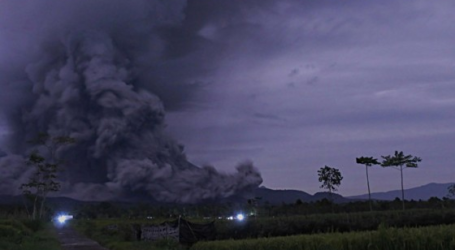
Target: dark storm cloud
[
  {"x": 148, "y": 32},
  {"x": 96, "y": 71},
  {"x": 348, "y": 78}
]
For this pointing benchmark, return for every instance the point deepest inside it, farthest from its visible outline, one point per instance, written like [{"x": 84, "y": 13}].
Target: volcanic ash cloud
[{"x": 85, "y": 87}]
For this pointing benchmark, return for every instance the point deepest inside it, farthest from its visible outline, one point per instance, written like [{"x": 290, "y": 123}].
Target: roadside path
[{"x": 72, "y": 240}]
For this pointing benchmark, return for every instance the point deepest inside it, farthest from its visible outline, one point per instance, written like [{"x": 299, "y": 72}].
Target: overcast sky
[{"x": 295, "y": 85}]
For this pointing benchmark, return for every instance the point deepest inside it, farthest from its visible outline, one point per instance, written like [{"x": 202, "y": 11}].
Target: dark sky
[{"x": 292, "y": 85}]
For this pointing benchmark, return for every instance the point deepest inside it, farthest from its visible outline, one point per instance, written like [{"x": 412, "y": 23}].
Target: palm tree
[
  {"x": 398, "y": 160},
  {"x": 368, "y": 162}
]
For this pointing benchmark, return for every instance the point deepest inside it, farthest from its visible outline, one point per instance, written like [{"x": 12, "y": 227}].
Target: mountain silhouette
[{"x": 424, "y": 192}]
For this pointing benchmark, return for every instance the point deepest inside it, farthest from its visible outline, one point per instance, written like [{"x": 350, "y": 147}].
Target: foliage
[
  {"x": 399, "y": 160},
  {"x": 14, "y": 235},
  {"x": 425, "y": 238},
  {"x": 10, "y": 234},
  {"x": 367, "y": 161},
  {"x": 34, "y": 225},
  {"x": 277, "y": 226},
  {"x": 17, "y": 225},
  {"x": 12, "y": 211},
  {"x": 330, "y": 178},
  {"x": 41, "y": 182},
  {"x": 44, "y": 179},
  {"x": 451, "y": 190},
  {"x": 325, "y": 223}
]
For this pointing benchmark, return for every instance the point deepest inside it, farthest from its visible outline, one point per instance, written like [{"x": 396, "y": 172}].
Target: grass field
[
  {"x": 394, "y": 230},
  {"x": 424, "y": 238},
  {"x": 326, "y": 223}
]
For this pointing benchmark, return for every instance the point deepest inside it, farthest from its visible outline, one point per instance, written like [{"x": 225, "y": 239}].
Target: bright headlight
[{"x": 61, "y": 219}]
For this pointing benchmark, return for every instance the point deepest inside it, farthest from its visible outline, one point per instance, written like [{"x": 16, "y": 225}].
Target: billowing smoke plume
[{"x": 89, "y": 84}]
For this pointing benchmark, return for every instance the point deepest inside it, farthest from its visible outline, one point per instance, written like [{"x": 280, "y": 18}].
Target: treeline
[
  {"x": 213, "y": 211},
  {"x": 327, "y": 223},
  {"x": 106, "y": 210},
  {"x": 269, "y": 227},
  {"x": 326, "y": 206}
]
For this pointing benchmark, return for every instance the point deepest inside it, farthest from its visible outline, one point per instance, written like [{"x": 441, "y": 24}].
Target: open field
[
  {"x": 424, "y": 238},
  {"x": 392, "y": 229},
  {"x": 18, "y": 236},
  {"x": 412, "y": 229},
  {"x": 255, "y": 227},
  {"x": 324, "y": 223}
]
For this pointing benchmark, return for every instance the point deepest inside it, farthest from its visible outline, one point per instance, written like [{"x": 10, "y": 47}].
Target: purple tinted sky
[{"x": 295, "y": 85}]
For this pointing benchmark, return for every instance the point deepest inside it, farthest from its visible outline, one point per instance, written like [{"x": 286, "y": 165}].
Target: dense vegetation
[
  {"x": 103, "y": 210},
  {"x": 307, "y": 223},
  {"x": 380, "y": 230},
  {"x": 124, "y": 236},
  {"x": 26, "y": 235},
  {"x": 283, "y": 226},
  {"x": 346, "y": 222},
  {"x": 424, "y": 238}
]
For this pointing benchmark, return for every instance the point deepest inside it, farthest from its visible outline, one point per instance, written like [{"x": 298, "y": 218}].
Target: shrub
[
  {"x": 10, "y": 234},
  {"x": 17, "y": 225},
  {"x": 34, "y": 225}
]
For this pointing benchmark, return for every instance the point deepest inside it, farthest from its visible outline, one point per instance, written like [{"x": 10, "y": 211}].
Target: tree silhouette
[
  {"x": 451, "y": 190},
  {"x": 44, "y": 179},
  {"x": 330, "y": 178},
  {"x": 398, "y": 160},
  {"x": 368, "y": 162}
]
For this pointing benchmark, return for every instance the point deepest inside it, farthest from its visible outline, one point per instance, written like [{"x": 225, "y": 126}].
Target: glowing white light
[
  {"x": 61, "y": 219},
  {"x": 240, "y": 217}
]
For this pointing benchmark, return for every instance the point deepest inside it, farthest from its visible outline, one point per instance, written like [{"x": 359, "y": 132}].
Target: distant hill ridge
[
  {"x": 289, "y": 196},
  {"x": 424, "y": 192}
]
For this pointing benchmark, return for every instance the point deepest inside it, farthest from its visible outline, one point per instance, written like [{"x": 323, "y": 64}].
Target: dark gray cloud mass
[{"x": 96, "y": 71}]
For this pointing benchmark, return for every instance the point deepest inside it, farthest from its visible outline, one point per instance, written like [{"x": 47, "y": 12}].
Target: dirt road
[{"x": 72, "y": 240}]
